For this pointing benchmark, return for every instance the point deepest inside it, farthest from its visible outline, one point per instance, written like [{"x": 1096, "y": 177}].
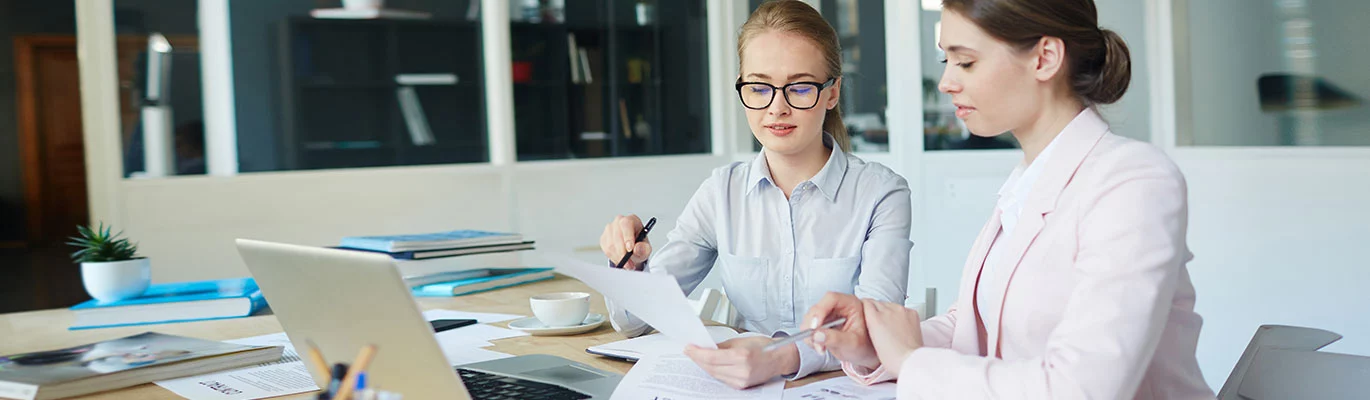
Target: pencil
[
  {"x": 801, "y": 335},
  {"x": 316, "y": 357},
  {"x": 350, "y": 382}
]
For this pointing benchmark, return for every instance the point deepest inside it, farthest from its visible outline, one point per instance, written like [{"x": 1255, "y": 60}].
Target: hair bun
[{"x": 1107, "y": 82}]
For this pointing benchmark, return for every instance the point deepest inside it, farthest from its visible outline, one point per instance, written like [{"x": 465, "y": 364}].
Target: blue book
[
  {"x": 498, "y": 278},
  {"x": 174, "y": 302},
  {"x": 460, "y": 251},
  {"x": 430, "y": 241}
]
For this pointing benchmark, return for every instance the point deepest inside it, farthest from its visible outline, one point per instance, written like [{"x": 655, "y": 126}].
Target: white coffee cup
[{"x": 561, "y": 308}]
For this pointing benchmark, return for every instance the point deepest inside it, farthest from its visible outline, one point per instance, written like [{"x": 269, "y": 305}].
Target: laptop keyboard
[{"x": 483, "y": 386}]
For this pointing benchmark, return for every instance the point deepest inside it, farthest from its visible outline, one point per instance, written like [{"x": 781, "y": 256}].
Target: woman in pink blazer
[{"x": 1077, "y": 287}]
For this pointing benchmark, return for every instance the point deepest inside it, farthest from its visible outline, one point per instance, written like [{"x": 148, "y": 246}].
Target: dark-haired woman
[{"x": 1077, "y": 287}]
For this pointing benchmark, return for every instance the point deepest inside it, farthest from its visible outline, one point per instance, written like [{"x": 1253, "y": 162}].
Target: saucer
[{"x": 536, "y": 328}]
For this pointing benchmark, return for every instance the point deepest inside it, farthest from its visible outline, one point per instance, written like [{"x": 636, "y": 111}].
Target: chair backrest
[
  {"x": 1277, "y": 373},
  {"x": 713, "y": 305},
  {"x": 1280, "y": 337}
]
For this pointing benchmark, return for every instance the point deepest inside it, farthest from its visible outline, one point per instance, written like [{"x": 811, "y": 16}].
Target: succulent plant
[{"x": 98, "y": 245}]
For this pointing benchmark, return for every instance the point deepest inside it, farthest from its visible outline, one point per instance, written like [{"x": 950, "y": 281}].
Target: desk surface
[{"x": 46, "y": 330}]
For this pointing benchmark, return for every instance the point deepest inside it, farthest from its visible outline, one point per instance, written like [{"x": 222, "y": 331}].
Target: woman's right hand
[
  {"x": 851, "y": 342},
  {"x": 619, "y": 237}
]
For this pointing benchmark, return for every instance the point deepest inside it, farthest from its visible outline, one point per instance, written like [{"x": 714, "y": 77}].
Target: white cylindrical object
[
  {"x": 116, "y": 280},
  {"x": 159, "y": 157}
]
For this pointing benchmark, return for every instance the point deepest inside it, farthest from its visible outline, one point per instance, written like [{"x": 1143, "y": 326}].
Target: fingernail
[
  {"x": 815, "y": 323},
  {"x": 628, "y": 245},
  {"x": 819, "y": 337}
]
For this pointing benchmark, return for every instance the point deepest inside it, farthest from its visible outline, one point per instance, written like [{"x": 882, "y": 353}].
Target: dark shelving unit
[{"x": 339, "y": 95}]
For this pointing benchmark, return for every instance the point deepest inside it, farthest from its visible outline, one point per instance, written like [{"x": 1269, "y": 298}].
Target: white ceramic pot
[
  {"x": 363, "y": 4},
  {"x": 116, "y": 280}
]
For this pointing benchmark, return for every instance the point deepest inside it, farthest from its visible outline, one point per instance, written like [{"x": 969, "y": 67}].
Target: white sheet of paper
[
  {"x": 482, "y": 318},
  {"x": 677, "y": 377},
  {"x": 287, "y": 376},
  {"x": 478, "y": 335},
  {"x": 470, "y": 355},
  {"x": 655, "y": 298},
  {"x": 842, "y": 388},
  {"x": 656, "y": 343}
]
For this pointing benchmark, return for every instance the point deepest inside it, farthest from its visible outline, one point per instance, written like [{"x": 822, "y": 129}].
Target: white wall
[
  {"x": 187, "y": 225},
  {"x": 1278, "y": 237}
]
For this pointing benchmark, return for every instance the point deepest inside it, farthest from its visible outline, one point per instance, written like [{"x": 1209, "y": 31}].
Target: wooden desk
[{"x": 47, "y": 330}]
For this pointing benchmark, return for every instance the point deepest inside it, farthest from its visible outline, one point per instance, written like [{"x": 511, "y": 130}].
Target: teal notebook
[
  {"x": 174, "y": 302},
  {"x": 498, "y": 278}
]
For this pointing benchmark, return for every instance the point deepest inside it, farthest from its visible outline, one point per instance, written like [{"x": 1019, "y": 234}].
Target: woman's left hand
[
  {"x": 740, "y": 363},
  {"x": 895, "y": 331}
]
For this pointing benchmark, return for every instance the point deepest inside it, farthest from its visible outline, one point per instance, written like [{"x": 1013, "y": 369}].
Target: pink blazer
[{"x": 1097, "y": 304}]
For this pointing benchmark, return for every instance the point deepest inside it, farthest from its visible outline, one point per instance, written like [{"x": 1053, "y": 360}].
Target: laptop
[{"x": 343, "y": 300}]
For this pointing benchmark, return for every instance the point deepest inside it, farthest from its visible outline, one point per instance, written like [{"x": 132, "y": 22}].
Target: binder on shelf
[
  {"x": 419, "y": 132},
  {"x": 574, "y": 55}
]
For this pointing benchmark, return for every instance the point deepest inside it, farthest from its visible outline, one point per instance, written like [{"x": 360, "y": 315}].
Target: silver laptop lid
[{"x": 343, "y": 300}]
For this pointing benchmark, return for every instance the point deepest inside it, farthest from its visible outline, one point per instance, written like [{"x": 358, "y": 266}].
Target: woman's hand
[
  {"x": 620, "y": 236},
  {"x": 849, "y": 342},
  {"x": 895, "y": 331},
  {"x": 740, "y": 363}
]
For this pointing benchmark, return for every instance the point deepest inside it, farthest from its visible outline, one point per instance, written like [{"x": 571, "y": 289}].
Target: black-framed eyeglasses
[{"x": 800, "y": 95}]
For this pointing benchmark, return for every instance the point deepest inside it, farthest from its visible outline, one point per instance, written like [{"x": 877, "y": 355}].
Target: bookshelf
[
  {"x": 646, "y": 90},
  {"x": 341, "y": 104}
]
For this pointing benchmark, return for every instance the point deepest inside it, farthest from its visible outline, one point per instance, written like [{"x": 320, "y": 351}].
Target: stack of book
[
  {"x": 438, "y": 244},
  {"x": 120, "y": 363},
  {"x": 444, "y": 278},
  {"x": 174, "y": 302}
]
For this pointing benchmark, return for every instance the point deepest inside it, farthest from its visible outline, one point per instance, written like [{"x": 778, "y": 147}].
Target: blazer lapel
[
  {"x": 1072, "y": 146},
  {"x": 970, "y": 281}
]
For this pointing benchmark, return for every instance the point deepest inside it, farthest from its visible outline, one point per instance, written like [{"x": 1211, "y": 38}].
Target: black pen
[{"x": 640, "y": 237}]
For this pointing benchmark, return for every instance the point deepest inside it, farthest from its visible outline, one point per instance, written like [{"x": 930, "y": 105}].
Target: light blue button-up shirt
[{"x": 844, "y": 230}]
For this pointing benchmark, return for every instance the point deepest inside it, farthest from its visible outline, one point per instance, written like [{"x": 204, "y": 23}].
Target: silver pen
[{"x": 801, "y": 335}]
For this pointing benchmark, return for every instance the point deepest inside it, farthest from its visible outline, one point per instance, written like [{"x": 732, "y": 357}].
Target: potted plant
[{"x": 111, "y": 269}]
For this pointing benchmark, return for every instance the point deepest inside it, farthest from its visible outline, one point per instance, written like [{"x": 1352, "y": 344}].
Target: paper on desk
[
  {"x": 842, "y": 388},
  {"x": 677, "y": 377},
  {"x": 478, "y": 335},
  {"x": 656, "y": 343},
  {"x": 655, "y": 298},
  {"x": 464, "y": 356},
  {"x": 287, "y": 376},
  {"x": 481, "y": 318}
]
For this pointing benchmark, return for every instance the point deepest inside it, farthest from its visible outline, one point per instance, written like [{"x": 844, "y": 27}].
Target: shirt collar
[
  {"x": 1020, "y": 182},
  {"x": 827, "y": 180}
]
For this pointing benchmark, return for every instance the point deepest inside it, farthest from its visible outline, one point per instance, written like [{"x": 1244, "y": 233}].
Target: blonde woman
[{"x": 801, "y": 219}]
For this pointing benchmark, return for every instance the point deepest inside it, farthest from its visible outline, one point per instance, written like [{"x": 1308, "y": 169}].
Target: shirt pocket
[
  {"x": 830, "y": 275},
  {"x": 745, "y": 281}
]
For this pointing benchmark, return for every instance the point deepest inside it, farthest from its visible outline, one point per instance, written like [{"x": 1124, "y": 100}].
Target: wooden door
[{"x": 51, "y": 144}]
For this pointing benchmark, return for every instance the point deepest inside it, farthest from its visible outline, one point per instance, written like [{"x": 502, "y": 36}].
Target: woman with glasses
[{"x": 802, "y": 219}]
